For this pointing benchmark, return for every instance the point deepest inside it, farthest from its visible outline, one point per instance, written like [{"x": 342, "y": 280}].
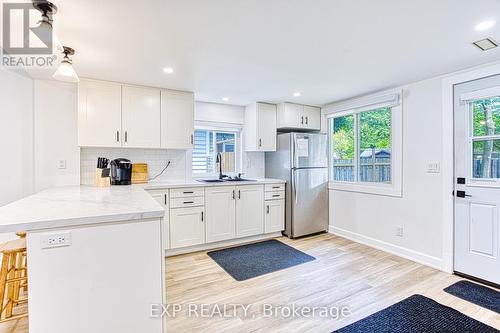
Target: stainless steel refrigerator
[{"x": 302, "y": 160}]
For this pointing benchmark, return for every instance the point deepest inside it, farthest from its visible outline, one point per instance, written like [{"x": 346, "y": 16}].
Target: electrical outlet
[
  {"x": 55, "y": 240},
  {"x": 399, "y": 231},
  {"x": 61, "y": 164},
  {"x": 433, "y": 167}
]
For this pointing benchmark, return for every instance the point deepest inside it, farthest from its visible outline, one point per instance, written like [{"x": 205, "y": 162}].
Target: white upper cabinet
[
  {"x": 99, "y": 114},
  {"x": 299, "y": 117},
  {"x": 141, "y": 117},
  {"x": 260, "y": 127},
  {"x": 177, "y": 119},
  {"x": 117, "y": 115}
]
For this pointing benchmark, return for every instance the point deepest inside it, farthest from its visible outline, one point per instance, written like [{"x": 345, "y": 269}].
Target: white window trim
[
  {"x": 392, "y": 99},
  {"x": 223, "y": 128}
]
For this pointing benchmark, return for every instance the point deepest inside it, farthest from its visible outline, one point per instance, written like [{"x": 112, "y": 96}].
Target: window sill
[{"x": 389, "y": 190}]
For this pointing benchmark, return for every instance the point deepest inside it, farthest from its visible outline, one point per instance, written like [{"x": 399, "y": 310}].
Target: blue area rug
[
  {"x": 483, "y": 296},
  {"x": 418, "y": 314},
  {"x": 252, "y": 260}
]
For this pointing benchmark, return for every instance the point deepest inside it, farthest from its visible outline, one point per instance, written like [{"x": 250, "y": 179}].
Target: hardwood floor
[{"x": 344, "y": 274}]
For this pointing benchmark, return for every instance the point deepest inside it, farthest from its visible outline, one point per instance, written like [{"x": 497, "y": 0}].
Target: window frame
[
  {"x": 354, "y": 107},
  {"x": 237, "y": 149}
]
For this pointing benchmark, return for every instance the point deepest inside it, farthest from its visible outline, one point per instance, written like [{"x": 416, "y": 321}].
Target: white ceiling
[{"x": 264, "y": 50}]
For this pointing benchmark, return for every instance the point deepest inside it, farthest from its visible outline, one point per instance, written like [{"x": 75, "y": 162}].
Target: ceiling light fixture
[
  {"x": 225, "y": 99},
  {"x": 297, "y": 94},
  {"x": 46, "y": 31},
  {"x": 168, "y": 70},
  {"x": 485, "y": 25},
  {"x": 486, "y": 44},
  {"x": 65, "y": 72}
]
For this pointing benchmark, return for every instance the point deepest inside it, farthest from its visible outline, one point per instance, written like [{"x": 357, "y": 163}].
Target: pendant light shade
[{"x": 65, "y": 72}]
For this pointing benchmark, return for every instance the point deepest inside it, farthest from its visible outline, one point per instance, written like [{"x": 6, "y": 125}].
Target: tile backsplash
[{"x": 157, "y": 159}]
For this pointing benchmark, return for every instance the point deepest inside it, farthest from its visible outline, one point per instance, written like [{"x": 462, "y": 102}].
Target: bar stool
[{"x": 13, "y": 278}]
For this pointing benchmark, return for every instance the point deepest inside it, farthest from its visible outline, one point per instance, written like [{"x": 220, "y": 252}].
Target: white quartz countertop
[
  {"x": 78, "y": 205},
  {"x": 195, "y": 183}
]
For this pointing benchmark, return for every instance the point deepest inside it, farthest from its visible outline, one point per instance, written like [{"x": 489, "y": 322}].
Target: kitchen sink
[
  {"x": 211, "y": 180},
  {"x": 225, "y": 180}
]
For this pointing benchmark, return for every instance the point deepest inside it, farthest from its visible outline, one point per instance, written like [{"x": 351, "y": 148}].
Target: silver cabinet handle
[
  {"x": 188, "y": 202},
  {"x": 239, "y": 194},
  {"x": 307, "y": 120},
  {"x": 276, "y": 195},
  {"x": 126, "y": 136},
  {"x": 117, "y": 136},
  {"x": 192, "y": 139},
  {"x": 165, "y": 199},
  {"x": 267, "y": 212},
  {"x": 202, "y": 217},
  {"x": 302, "y": 120},
  {"x": 233, "y": 195},
  {"x": 260, "y": 142}
]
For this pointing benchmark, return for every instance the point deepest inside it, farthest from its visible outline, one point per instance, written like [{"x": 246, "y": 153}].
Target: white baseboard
[
  {"x": 397, "y": 250},
  {"x": 217, "y": 245}
]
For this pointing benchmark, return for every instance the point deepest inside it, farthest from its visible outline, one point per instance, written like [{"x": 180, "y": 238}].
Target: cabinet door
[
  {"x": 312, "y": 117},
  {"x": 220, "y": 206},
  {"x": 266, "y": 127},
  {"x": 162, "y": 199},
  {"x": 141, "y": 117},
  {"x": 177, "y": 119},
  {"x": 294, "y": 115},
  {"x": 275, "y": 216},
  {"x": 99, "y": 114},
  {"x": 249, "y": 210},
  {"x": 187, "y": 227}
]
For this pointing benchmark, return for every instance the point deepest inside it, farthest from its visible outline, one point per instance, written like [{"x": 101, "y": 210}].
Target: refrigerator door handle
[{"x": 295, "y": 186}]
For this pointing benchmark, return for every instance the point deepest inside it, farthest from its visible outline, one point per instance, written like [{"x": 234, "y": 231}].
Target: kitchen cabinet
[
  {"x": 298, "y": 117},
  {"x": 141, "y": 117},
  {"x": 221, "y": 210},
  {"x": 274, "y": 216},
  {"x": 187, "y": 226},
  {"x": 260, "y": 127},
  {"x": 99, "y": 114},
  {"x": 162, "y": 198},
  {"x": 249, "y": 210},
  {"x": 177, "y": 119},
  {"x": 117, "y": 115}
]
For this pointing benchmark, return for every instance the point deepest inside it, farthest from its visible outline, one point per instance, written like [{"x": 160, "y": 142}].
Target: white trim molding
[{"x": 399, "y": 251}]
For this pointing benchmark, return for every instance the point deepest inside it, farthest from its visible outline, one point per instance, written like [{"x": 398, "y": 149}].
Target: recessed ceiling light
[
  {"x": 168, "y": 70},
  {"x": 225, "y": 99},
  {"x": 485, "y": 25},
  {"x": 297, "y": 94}
]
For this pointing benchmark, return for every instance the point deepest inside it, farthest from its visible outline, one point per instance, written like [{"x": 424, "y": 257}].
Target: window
[
  {"x": 365, "y": 145},
  {"x": 207, "y": 144},
  {"x": 485, "y": 138}
]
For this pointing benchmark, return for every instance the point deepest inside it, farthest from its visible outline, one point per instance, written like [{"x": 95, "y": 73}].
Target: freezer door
[
  {"x": 309, "y": 201},
  {"x": 309, "y": 150}
]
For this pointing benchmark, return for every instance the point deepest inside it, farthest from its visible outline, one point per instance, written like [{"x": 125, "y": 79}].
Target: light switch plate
[
  {"x": 433, "y": 167},
  {"x": 48, "y": 241}
]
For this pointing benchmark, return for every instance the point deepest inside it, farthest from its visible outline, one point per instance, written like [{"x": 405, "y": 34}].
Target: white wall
[
  {"x": 16, "y": 136},
  {"x": 55, "y": 133},
  {"x": 374, "y": 219}
]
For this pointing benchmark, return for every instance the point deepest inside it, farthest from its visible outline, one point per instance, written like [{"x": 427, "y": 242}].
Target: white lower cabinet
[
  {"x": 162, "y": 199},
  {"x": 249, "y": 210},
  {"x": 220, "y": 207},
  {"x": 275, "y": 216},
  {"x": 187, "y": 227}
]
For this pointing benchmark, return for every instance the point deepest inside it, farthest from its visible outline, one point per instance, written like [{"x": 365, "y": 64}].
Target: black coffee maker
[{"x": 121, "y": 171}]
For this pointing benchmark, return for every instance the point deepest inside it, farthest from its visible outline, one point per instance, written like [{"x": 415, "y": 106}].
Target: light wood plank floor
[{"x": 344, "y": 274}]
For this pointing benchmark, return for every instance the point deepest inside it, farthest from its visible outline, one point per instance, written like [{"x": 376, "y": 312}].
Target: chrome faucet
[{"x": 219, "y": 160}]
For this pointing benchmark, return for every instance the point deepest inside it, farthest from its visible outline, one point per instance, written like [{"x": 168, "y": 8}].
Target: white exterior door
[
  {"x": 177, "y": 119},
  {"x": 477, "y": 183},
  {"x": 99, "y": 114},
  {"x": 249, "y": 210},
  {"x": 220, "y": 207},
  {"x": 141, "y": 117},
  {"x": 187, "y": 227}
]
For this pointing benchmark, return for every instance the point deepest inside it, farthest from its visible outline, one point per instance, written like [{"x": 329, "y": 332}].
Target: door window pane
[
  {"x": 486, "y": 159},
  {"x": 343, "y": 148},
  {"x": 486, "y": 116},
  {"x": 375, "y": 146}
]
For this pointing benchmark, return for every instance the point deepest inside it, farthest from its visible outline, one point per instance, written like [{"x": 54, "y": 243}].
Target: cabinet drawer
[
  {"x": 187, "y": 202},
  {"x": 275, "y": 195},
  {"x": 274, "y": 187},
  {"x": 187, "y": 192}
]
